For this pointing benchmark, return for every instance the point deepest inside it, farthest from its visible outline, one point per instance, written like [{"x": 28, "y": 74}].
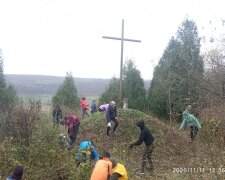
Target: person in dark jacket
[
  {"x": 57, "y": 114},
  {"x": 16, "y": 174},
  {"x": 146, "y": 137},
  {"x": 111, "y": 115}
]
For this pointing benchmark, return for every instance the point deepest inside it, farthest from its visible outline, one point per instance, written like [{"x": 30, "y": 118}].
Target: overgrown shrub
[{"x": 18, "y": 121}]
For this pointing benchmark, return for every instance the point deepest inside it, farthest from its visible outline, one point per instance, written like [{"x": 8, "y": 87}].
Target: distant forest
[{"x": 48, "y": 85}]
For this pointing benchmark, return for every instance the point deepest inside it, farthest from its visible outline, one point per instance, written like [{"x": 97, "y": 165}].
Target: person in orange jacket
[
  {"x": 103, "y": 168},
  {"x": 84, "y": 107}
]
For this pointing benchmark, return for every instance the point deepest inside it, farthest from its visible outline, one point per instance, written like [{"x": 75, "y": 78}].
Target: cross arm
[{"x": 124, "y": 39}]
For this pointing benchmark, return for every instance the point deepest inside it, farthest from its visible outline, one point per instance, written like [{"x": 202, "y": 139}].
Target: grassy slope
[
  {"x": 172, "y": 150},
  {"x": 44, "y": 159}
]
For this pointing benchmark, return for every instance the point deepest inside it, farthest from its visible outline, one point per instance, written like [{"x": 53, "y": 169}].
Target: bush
[{"x": 19, "y": 121}]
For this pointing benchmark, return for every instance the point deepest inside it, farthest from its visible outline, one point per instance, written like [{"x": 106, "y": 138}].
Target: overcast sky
[{"x": 52, "y": 37}]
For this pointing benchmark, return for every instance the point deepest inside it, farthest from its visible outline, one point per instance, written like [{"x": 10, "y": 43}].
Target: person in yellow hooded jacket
[{"x": 119, "y": 172}]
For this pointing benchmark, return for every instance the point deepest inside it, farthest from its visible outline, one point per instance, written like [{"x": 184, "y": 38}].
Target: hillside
[
  {"x": 174, "y": 156},
  {"x": 48, "y": 85},
  {"x": 173, "y": 151}
]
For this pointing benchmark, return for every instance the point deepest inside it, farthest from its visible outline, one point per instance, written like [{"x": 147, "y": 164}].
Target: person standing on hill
[
  {"x": 111, "y": 115},
  {"x": 103, "y": 168},
  {"x": 93, "y": 107},
  {"x": 57, "y": 114},
  {"x": 119, "y": 172},
  {"x": 73, "y": 123},
  {"x": 84, "y": 107},
  {"x": 147, "y": 137},
  {"x": 192, "y": 122}
]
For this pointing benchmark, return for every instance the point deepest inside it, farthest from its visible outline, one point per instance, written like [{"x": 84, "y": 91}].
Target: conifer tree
[
  {"x": 111, "y": 93},
  {"x": 133, "y": 86},
  {"x": 67, "y": 93},
  {"x": 178, "y": 76}
]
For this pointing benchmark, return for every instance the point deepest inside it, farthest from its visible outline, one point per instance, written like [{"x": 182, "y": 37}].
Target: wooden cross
[{"x": 122, "y": 39}]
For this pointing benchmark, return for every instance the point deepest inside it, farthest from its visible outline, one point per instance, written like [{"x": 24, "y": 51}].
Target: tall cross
[{"x": 122, "y": 39}]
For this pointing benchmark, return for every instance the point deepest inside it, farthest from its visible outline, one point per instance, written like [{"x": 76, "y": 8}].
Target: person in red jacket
[
  {"x": 84, "y": 107},
  {"x": 73, "y": 123}
]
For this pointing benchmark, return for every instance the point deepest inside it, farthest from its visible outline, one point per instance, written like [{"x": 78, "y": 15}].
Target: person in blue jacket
[
  {"x": 87, "y": 151},
  {"x": 192, "y": 122},
  {"x": 93, "y": 107}
]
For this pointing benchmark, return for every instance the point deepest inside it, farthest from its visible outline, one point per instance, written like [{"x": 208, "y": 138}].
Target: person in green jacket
[{"x": 192, "y": 122}]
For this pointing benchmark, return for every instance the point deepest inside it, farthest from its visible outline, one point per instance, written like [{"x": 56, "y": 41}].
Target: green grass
[
  {"x": 45, "y": 99},
  {"x": 45, "y": 160}
]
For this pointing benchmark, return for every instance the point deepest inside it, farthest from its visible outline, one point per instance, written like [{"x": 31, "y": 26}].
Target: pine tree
[
  {"x": 192, "y": 62},
  {"x": 7, "y": 93},
  {"x": 133, "y": 86},
  {"x": 2, "y": 79},
  {"x": 177, "y": 78},
  {"x": 111, "y": 93},
  {"x": 67, "y": 93}
]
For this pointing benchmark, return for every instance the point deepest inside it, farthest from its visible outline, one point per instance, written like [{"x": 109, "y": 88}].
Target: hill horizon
[{"x": 48, "y": 85}]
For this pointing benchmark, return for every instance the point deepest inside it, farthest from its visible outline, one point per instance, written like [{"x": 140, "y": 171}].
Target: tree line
[{"x": 183, "y": 76}]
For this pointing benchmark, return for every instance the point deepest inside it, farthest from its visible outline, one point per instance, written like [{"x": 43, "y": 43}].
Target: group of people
[
  {"x": 84, "y": 106},
  {"x": 87, "y": 150},
  {"x": 105, "y": 167},
  {"x": 109, "y": 169},
  {"x": 58, "y": 116},
  {"x": 73, "y": 121}
]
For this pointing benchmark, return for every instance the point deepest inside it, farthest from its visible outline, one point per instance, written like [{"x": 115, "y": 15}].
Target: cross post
[{"x": 122, "y": 39}]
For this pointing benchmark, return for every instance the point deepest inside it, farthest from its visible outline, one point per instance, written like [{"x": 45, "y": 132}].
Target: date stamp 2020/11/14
[{"x": 181, "y": 170}]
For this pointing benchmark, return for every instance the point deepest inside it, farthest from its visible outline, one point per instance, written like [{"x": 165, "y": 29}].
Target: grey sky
[{"x": 51, "y": 37}]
